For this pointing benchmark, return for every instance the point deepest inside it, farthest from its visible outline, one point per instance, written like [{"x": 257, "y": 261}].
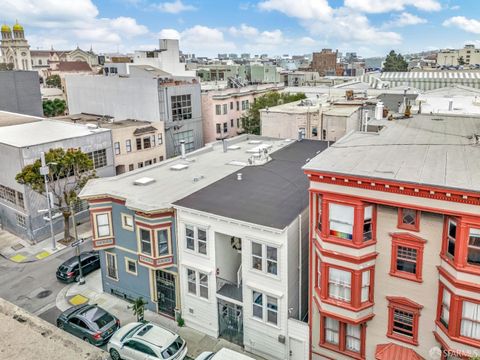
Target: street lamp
[
  {"x": 77, "y": 243},
  {"x": 45, "y": 170}
]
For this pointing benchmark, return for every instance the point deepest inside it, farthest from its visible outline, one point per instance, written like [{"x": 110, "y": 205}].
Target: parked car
[
  {"x": 69, "y": 271},
  {"x": 139, "y": 341},
  {"x": 223, "y": 354},
  {"x": 90, "y": 323}
]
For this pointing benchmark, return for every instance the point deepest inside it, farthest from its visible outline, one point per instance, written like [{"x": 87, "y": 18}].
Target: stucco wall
[{"x": 20, "y": 92}]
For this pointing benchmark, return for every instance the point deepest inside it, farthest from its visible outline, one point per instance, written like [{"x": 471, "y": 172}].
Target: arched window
[{"x": 39, "y": 61}]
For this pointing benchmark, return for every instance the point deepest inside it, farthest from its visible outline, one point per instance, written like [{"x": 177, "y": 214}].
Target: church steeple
[
  {"x": 6, "y": 32},
  {"x": 18, "y": 32}
]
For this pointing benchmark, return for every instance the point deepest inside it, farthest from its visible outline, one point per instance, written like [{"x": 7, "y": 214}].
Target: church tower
[{"x": 15, "y": 48}]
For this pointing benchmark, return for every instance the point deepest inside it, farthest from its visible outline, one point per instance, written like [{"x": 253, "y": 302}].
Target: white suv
[{"x": 138, "y": 341}]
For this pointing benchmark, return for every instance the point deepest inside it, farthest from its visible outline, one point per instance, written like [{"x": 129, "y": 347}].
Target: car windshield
[
  {"x": 131, "y": 332},
  {"x": 98, "y": 316},
  {"x": 174, "y": 347},
  {"x": 103, "y": 320},
  {"x": 63, "y": 268}
]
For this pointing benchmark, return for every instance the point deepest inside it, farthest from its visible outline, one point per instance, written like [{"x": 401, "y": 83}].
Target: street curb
[{"x": 61, "y": 299}]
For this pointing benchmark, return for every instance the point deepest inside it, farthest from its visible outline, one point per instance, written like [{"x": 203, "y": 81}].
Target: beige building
[
  {"x": 395, "y": 242},
  {"x": 311, "y": 119},
  {"x": 136, "y": 143},
  {"x": 15, "y": 50},
  {"x": 223, "y": 108},
  {"x": 450, "y": 57}
]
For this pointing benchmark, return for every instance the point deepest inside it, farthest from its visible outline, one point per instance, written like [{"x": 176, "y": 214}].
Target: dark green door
[
  {"x": 230, "y": 322},
  {"x": 166, "y": 293}
]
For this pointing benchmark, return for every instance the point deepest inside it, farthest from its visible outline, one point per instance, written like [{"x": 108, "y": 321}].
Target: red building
[{"x": 395, "y": 242}]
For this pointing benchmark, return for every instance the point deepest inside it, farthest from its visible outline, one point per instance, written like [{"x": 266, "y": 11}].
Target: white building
[
  {"x": 242, "y": 246},
  {"x": 450, "y": 57},
  {"x": 457, "y": 99}
]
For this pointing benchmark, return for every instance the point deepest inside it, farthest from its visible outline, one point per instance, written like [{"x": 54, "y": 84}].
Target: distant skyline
[{"x": 276, "y": 27}]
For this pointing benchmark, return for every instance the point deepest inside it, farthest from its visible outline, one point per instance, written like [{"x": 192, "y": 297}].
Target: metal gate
[
  {"x": 166, "y": 293},
  {"x": 230, "y": 322}
]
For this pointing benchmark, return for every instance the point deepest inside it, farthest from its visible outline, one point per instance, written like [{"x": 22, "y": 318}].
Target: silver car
[{"x": 138, "y": 341}]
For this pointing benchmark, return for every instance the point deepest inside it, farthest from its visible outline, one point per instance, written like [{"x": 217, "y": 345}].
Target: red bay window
[{"x": 343, "y": 337}]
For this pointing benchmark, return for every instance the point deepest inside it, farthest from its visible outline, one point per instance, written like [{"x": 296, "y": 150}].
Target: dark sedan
[
  {"x": 69, "y": 271},
  {"x": 90, "y": 323}
]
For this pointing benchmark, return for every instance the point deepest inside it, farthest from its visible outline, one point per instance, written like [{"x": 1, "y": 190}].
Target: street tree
[
  {"x": 69, "y": 171},
  {"x": 54, "y": 81},
  {"x": 461, "y": 61},
  {"x": 251, "y": 119},
  {"x": 55, "y": 107},
  {"x": 138, "y": 308},
  {"x": 394, "y": 62}
]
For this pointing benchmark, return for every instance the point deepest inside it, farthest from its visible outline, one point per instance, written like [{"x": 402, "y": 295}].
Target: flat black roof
[{"x": 271, "y": 195}]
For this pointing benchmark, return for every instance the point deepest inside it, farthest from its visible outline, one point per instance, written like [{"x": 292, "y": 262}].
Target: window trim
[
  {"x": 124, "y": 226},
  {"x": 264, "y": 258},
  {"x": 116, "y": 265},
  {"x": 139, "y": 241},
  {"x": 198, "y": 284},
  {"x": 196, "y": 239},
  {"x": 265, "y": 309},
  {"x": 169, "y": 241},
  {"x": 412, "y": 242},
  {"x": 342, "y": 337},
  {"x": 95, "y": 227},
  {"x": 402, "y": 225},
  {"x": 127, "y": 270},
  {"x": 406, "y": 305}
]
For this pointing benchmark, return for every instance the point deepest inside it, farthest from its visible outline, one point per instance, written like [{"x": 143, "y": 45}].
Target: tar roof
[
  {"x": 429, "y": 150},
  {"x": 42, "y": 132},
  {"x": 205, "y": 166},
  {"x": 271, "y": 195}
]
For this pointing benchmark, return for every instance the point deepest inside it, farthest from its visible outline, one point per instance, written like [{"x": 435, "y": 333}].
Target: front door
[
  {"x": 230, "y": 322},
  {"x": 166, "y": 293},
  {"x": 297, "y": 349}
]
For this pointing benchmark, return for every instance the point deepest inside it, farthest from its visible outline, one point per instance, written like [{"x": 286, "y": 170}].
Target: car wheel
[
  {"x": 88, "y": 340},
  {"x": 115, "y": 355},
  {"x": 60, "y": 325}
]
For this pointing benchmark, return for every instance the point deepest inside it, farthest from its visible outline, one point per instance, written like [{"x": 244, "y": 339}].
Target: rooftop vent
[
  {"x": 259, "y": 148},
  {"x": 237, "y": 163},
  {"x": 144, "y": 181},
  {"x": 179, "y": 167},
  {"x": 233, "y": 147},
  {"x": 255, "y": 142}
]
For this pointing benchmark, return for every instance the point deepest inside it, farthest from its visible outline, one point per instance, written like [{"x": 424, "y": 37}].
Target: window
[
  {"x": 218, "y": 109},
  {"x": 152, "y": 140},
  {"x": 238, "y": 123},
  {"x": 470, "y": 322},
  {"x": 238, "y": 105},
  {"x": 267, "y": 263},
  {"x": 451, "y": 236},
  {"x": 140, "y": 165},
  {"x": 160, "y": 158},
  {"x": 130, "y": 167},
  {"x": 103, "y": 225},
  {"x": 231, "y": 105},
  {"x": 130, "y": 266},
  {"x": 225, "y": 127},
  {"x": 21, "y": 221},
  {"x": 181, "y": 107},
  {"x": 339, "y": 284},
  {"x": 128, "y": 145},
  {"x": 342, "y": 337},
  {"x": 403, "y": 319},
  {"x": 407, "y": 256},
  {"x": 408, "y": 219},
  {"x": 146, "y": 142},
  {"x": 7, "y": 194},
  {"x": 111, "y": 260},
  {"x": 160, "y": 139},
  {"x": 145, "y": 242},
  {"x": 139, "y": 143},
  {"x": 196, "y": 239},
  {"x": 116, "y": 146},
  {"x": 445, "y": 307},
  {"x": 99, "y": 158},
  {"x": 148, "y": 162},
  {"x": 219, "y": 128},
  {"x": 269, "y": 313},
  {"x": 162, "y": 242},
  {"x": 473, "y": 255},
  {"x": 341, "y": 221},
  {"x": 189, "y": 139},
  {"x": 365, "y": 291},
  {"x": 231, "y": 123},
  {"x": 318, "y": 282},
  {"x": 319, "y": 212},
  {"x": 367, "y": 223},
  {"x": 127, "y": 222},
  {"x": 197, "y": 283},
  {"x": 154, "y": 160},
  {"x": 20, "y": 201}
]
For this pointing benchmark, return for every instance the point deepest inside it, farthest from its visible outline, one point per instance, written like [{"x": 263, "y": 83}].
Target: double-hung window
[
  {"x": 339, "y": 284},
  {"x": 218, "y": 109},
  {"x": 367, "y": 223},
  {"x": 470, "y": 322},
  {"x": 265, "y": 258},
  {"x": 116, "y": 146},
  {"x": 197, "y": 283},
  {"x": 341, "y": 221},
  {"x": 403, "y": 319},
  {"x": 162, "y": 242},
  {"x": 128, "y": 145},
  {"x": 451, "y": 237},
  {"x": 352, "y": 338},
  {"x": 319, "y": 212},
  {"x": 196, "y": 239},
  {"x": 332, "y": 331},
  {"x": 407, "y": 256},
  {"x": 341, "y": 336},
  {"x": 145, "y": 242},
  {"x": 403, "y": 322},
  {"x": 365, "y": 290},
  {"x": 265, "y": 307},
  {"x": 111, "y": 260},
  {"x": 445, "y": 307},
  {"x": 473, "y": 255},
  {"x": 103, "y": 225}
]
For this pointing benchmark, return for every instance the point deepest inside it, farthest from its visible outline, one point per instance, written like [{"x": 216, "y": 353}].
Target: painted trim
[
  {"x": 124, "y": 226},
  {"x": 116, "y": 265},
  {"x": 344, "y": 257},
  {"x": 403, "y": 304},
  {"x": 412, "y": 242},
  {"x": 101, "y": 199},
  {"x": 127, "y": 260},
  {"x": 95, "y": 214},
  {"x": 341, "y": 346},
  {"x": 402, "y": 225},
  {"x": 459, "y": 284}
]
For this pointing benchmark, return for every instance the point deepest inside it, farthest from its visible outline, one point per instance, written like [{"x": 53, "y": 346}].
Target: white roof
[
  {"x": 205, "y": 166},
  {"x": 439, "y": 75},
  {"x": 42, "y": 132},
  {"x": 430, "y": 150}
]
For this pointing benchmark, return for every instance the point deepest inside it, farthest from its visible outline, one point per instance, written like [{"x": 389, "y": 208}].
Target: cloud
[
  {"x": 463, "y": 23},
  {"x": 307, "y": 41},
  {"x": 302, "y": 9},
  {"x": 243, "y": 30},
  {"x": 174, "y": 7},
  {"x": 381, "y": 6},
  {"x": 405, "y": 19},
  {"x": 169, "y": 34}
]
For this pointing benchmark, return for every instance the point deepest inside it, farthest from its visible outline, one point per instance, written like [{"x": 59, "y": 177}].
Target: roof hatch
[{"x": 144, "y": 181}]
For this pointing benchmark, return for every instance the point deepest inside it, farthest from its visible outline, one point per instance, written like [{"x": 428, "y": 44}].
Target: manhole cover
[{"x": 43, "y": 294}]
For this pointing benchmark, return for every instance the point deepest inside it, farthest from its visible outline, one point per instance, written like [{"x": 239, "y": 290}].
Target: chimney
[
  {"x": 239, "y": 176},
  {"x": 182, "y": 147},
  {"x": 224, "y": 143}
]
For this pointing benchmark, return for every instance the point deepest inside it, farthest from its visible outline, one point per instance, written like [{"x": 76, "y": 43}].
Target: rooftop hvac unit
[{"x": 144, "y": 181}]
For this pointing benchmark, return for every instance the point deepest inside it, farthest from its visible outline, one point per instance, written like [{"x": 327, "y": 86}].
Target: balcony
[
  {"x": 228, "y": 253},
  {"x": 231, "y": 289}
]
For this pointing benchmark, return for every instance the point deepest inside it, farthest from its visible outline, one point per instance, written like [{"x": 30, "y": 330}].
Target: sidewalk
[
  {"x": 18, "y": 250},
  {"x": 91, "y": 292}
]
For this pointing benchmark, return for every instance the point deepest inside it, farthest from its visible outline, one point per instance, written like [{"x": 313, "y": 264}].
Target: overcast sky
[{"x": 276, "y": 27}]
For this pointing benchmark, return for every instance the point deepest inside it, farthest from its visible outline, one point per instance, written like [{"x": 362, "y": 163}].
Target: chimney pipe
[
  {"x": 450, "y": 105},
  {"x": 182, "y": 147},
  {"x": 239, "y": 176}
]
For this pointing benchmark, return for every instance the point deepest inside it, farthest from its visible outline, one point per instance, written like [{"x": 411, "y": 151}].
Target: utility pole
[
  {"x": 76, "y": 243},
  {"x": 45, "y": 170}
]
